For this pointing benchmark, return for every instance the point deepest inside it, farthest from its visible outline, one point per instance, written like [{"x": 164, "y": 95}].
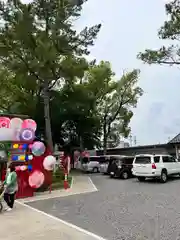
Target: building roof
[{"x": 176, "y": 139}]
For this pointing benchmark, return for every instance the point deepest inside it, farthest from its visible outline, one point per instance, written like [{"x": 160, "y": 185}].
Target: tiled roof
[{"x": 176, "y": 139}]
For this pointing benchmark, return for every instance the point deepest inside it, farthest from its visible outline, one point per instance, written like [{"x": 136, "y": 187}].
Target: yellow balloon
[
  {"x": 22, "y": 158},
  {"x": 15, "y": 146}
]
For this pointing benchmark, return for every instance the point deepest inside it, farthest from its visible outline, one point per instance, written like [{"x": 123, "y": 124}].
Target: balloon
[
  {"x": 29, "y": 123},
  {"x": 49, "y": 162},
  {"x": 27, "y": 134},
  {"x": 30, "y": 167},
  {"x": 30, "y": 146},
  {"x": 6, "y": 134},
  {"x": 18, "y": 168},
  {"x": 16, "y": 123},
  {"x": 30, "y": 157},
  {"x": 38, "y": 148},
  {"x": 23, "y": 168},
  {"x": 36, "y": 179},
  {"x": 4, "y": 122}
]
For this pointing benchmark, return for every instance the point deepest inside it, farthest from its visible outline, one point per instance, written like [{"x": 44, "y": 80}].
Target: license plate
[{"x": 112, "y": 173}]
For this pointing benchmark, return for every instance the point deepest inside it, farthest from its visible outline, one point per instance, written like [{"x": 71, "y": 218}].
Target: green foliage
[
  {"x": 170, "y": 30},
  {"x": 114, "y": 100},
  {"x": 44, "y": 73},
  {"x": 38, "y": 43}
]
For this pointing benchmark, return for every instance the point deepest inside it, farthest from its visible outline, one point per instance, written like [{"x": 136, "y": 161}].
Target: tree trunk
[
  {"x": 105, "y": 144},
  {"x": 47, "y": 119}
]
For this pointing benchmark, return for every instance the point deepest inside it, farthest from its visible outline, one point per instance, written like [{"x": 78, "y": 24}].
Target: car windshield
[{"x": 143, "y": 160}]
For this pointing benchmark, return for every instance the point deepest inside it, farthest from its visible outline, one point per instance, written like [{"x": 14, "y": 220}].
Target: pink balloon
[
  {"x": 4, "y": 122},
  {"x": 18, "y": 168},
  {"x": 36, "y": 179},
  {"x": 30, "y": 146},
  {"x": 29, "y": 123},
  {"x": 23, "y": 168}
]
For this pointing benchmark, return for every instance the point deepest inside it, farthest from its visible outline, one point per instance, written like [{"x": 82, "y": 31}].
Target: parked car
[
  {"x": 121, "y": 167},
  {"x": 155, "y": 166},
  {"x": 104, "y": 164},
  {"x": 92, "y": 164}
]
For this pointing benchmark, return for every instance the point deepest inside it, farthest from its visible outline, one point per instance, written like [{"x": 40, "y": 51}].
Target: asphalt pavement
[{"x": 122, "y": 209}]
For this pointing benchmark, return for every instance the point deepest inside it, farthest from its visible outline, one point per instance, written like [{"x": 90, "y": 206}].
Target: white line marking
[
  {"x": 94, "y": 186},
  {"x": 64, "y": 222},
  {"x": 52, "y": 197}
]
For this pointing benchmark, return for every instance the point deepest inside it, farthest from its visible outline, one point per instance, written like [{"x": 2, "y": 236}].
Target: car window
[
  {"x": 94, "y": 159},
  {"x": 127, "y": 160},
  {"x": 102, "y": 159},
  {"x": 157, "y": 159},
  {"x": 172, "y": 159},
  {"x": 165, "y": 159},
  {"x": 143, "y": 160},
  {"x": 168, "y": 159}
]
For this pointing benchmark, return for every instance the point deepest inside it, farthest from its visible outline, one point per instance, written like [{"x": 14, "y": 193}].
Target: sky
[{"x": 129, "y": 27}]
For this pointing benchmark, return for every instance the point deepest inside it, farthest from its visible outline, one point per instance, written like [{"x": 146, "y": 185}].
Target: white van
[
  {"x": 155, "y": 166},
  {"x": 92, "y": 163}
]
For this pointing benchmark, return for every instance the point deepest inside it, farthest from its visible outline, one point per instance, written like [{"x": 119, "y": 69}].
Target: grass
[
  {"x": 60, "y": 184},
  {"x": 57, "y": 181}
]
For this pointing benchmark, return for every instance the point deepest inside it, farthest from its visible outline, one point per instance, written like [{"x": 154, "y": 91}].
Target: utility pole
[{"x": 130, "y": 140}]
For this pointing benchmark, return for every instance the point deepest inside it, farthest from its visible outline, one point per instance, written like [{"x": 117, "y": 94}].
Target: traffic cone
[{"x": 66, "y": 184}]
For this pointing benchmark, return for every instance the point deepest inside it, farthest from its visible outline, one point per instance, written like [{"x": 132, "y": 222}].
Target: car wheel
[
  {"x": 125, "y": 175},
  {"x": 95, "y": 170},
  {"x": 164, "y": 176},
  {"x": 141, "y": 179}
]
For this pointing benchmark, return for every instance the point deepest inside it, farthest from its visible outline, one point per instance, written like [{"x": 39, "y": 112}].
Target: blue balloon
[
  {"x": 25, "y": 146},
  {"x": 30, "y": 167},
  {"x": 14, "y": 157}
]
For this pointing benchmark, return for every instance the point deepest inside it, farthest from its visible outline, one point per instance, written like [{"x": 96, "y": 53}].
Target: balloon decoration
[
  {"x": 29, "y": 123},
  {"x": 30, "y": 168},
  {"x": 16, "y": 123},
  {"x": 38, "y": 149},
  {"x": 6, "y": 134},
  {"x": 4, "y": 122},
  {"x": 49, "y": 163},
  {"x": 27, "y": 134},
  {"x": 30, "y": 157},
  {"x": 36, "y": 179},
  {"x": 23, "y": 168},
  {"x": 18, "y": 168}
]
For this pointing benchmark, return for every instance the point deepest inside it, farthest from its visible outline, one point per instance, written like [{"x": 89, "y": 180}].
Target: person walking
[{"x": 11, "y": 187}]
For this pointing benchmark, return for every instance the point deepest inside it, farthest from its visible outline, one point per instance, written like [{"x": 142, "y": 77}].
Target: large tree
[
  {"x": 38, "y": 41},
  {"x": 169, "y": 55},
  {"x": 114, "y": 99}
]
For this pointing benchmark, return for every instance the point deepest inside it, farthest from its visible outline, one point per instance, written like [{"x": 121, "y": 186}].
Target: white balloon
[
  {"x": 16, "y": 123},
  {"x": 49, "y": 162},
  {"x": 6, "y": 134}
]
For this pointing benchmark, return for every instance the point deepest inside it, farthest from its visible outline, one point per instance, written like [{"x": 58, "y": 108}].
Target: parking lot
[{"x": 122, "y": 209}]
